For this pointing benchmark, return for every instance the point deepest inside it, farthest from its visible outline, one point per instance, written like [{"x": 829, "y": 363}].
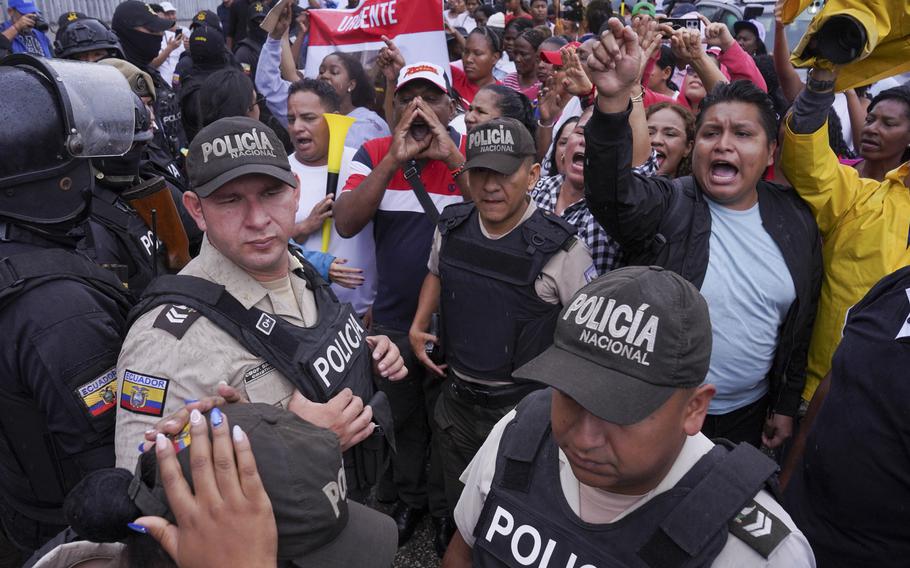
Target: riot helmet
[
  {"x": 120, "y": 172},
  {"x": 55, "y": 115},
  {"x": 84, "y": 36}
]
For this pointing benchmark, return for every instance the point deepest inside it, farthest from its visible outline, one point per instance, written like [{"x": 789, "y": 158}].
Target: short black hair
[
  {"x": 514, "y": 104},
  {"x": 742, "y": 91},
  {"x": 321, "y": 89},
  {"x": 224, "y": 93},
  {"x": 520, "y": 25},
  {"x": 596, "y": 15},
  {"x": 363, "y": 94}
]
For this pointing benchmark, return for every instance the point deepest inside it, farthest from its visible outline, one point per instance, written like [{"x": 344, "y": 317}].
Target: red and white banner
[{"x": 416, "y": 26}]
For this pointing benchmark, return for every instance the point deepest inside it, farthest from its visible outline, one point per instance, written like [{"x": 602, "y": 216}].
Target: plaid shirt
[{"x": 605, "y": 251}]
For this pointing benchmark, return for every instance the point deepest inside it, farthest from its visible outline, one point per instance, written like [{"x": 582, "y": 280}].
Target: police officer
[
  {"x": 617, "y": 439},
  {"x": 140, "y": 31},
  {"x": 63, "y": 318},
  {"x": 86, "y": 39},
  {"x": 247, "y": 51},
  {"x": 248, "y": 312},
  {"x": 501, "y": 270}
]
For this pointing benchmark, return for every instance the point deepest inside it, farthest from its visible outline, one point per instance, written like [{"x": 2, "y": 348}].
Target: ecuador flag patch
[
  {"x": 100, "y": 394},
  {"x": 143, "y": 394}
]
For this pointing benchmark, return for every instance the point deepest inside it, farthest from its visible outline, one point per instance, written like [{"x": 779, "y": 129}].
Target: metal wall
[{"x": 104, "y": 9}]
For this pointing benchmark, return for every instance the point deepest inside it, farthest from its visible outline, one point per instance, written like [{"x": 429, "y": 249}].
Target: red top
[
  {"x": 510, "y": 17},
  {"x": 464, "y": 86}
]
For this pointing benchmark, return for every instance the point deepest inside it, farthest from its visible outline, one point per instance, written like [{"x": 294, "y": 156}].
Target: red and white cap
[{"x": 423, "y": 70}]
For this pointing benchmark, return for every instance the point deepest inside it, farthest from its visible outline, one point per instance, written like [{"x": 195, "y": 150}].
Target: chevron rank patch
[
  {"x": 759, "y": 528},
  {"x": 100, "y": 394},
  {"x": 143, "y": 394},
  {"x": 176, "y": 319}
]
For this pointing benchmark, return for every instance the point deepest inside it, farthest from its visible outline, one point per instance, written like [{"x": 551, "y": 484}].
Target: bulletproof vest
[
  {"x": 24, "y": 436},
  {"x": 320, "y": 360},
  {"x": 493, "y": 320},
  {"x": 120, "y": 241},
  {"x": 170, "y": 135},
  {"x": 526, "y": 522}
]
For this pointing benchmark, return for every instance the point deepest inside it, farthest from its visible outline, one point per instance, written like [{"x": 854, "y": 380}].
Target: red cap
[{"x": 555, "y": 57}]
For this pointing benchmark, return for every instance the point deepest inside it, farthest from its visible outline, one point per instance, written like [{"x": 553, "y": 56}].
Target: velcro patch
[
  {"x": 100, "y": 394},
  {"x": 143, "y": 394},
  {"x": 258, "y": 372},
  {"x": 759, "y": 529},
  {"x": 176, "y": 319}
]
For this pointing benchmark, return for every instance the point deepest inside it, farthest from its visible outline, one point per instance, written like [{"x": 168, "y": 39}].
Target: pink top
[
  {"x": 511, "y": 81},
  {"x": 734, "y": 63}
]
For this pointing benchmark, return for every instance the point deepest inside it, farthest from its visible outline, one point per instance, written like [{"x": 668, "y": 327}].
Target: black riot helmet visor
[{"x": 56, "y": 114}]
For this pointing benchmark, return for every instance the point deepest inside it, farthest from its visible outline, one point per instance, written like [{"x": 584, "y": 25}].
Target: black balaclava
[{"x": 139, "y": 47}]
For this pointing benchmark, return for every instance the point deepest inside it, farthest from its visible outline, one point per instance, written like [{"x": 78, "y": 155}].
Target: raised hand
[
  {"x": 686, "y": 45},
  {"x": 649, "y": 39},
  {"x": 441, "y": 146},
  {"x": 390, "y": 61},
  {"x": 615, "y": 64},
  {"x": 717, "y": 34},
  {"x": 283, "y": 23},
  {"x": 577, "y": 81},
  {"x": 551, "y": 100}
]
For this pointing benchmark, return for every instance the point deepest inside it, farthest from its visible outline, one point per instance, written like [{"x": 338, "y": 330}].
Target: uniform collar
[{"x": 215, "y": 267}]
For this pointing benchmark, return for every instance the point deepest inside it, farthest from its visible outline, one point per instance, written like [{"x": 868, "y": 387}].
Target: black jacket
[{"x": 666, "y": 222}]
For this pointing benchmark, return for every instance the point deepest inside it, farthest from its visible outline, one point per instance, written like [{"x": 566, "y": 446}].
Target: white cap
[
  {"x": 497, "y": 20},
  {"x": 167, "y": 7},
  {"x": 423, "y": 70},
  {"x": 755, "y": 25}
]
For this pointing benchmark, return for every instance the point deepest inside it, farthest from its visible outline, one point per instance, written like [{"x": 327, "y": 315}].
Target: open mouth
[
  {"x": 723, "y": 172},
  {"x": 661, "y": 157},
  {"x": 302, "y": 142},
  {"x": 419, "y": 130}
]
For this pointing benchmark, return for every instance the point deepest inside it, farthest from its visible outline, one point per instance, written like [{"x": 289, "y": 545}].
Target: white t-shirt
[
  {"x": 166, "y": 70},
  {"x": 462, "y": 20},
  {"x": 793, "y": 552},
  {"x": 359, "y": 249}
]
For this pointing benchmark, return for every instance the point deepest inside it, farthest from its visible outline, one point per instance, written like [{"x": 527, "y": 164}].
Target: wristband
[
  {"x": 458, "y": 171},
  {"x": 818, "y": 86},
  {"x": 542, "y": 125}
]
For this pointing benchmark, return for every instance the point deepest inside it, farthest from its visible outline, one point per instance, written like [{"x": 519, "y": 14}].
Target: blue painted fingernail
[
  {"x": 190, "y": 400},
  {"x": 217, "y": 417},
  {"x": 141, "y": 447},
  {"x": 137, "y": 528}
]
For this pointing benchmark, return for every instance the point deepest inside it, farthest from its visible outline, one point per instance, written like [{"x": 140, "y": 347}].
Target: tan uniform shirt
[
  {"x": 564, "y": 274},
  {"x": 157, "y": 372}
]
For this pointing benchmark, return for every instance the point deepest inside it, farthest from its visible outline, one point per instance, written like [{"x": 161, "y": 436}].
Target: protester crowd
[{"x": 618, "y": 288}]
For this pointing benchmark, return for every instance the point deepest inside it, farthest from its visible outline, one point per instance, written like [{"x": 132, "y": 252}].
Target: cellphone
[
  {"x": 178, "y": 32},
  {"x": 684, "y": 23},
  {"x": 434, "y": 351}
]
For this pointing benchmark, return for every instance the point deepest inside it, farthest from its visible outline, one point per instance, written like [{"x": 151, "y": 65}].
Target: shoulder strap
[
  {"x": 523, "y": 438},
  {"x": 259, "y": 332},
  {"x": 21, "y": 272},
  {"x": 547, "y": 232},
  {"x": 412, "y": 174},
  {"x": 717, "y": 497},
  {"x": 454, "y": 215}
]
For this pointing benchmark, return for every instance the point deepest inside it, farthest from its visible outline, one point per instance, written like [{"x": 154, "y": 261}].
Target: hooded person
[
  {"x": 207, "y": 54},
  {"x": 140, "y": 32}
]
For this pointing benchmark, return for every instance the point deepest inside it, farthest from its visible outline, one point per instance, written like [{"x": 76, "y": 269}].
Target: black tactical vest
[
  {"x": 119, "y": 236},
  {"x": 320, "y": 361},
  {"x": 25, "y": 436},
  {"x": 493, "y": 319},
  {"x": 526, "y": 522}
]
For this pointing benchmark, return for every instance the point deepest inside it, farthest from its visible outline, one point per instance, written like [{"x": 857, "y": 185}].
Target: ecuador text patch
[{"x": 143, "y": 394}]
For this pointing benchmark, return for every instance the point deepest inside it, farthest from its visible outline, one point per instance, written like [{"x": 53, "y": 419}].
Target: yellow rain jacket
[
  {"x": 865, "y": 228},
  {"x": 887, "y": 50}
]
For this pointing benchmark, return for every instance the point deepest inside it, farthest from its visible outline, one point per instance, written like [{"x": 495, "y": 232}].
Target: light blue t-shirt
[{"x": 749, "y": 290}]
